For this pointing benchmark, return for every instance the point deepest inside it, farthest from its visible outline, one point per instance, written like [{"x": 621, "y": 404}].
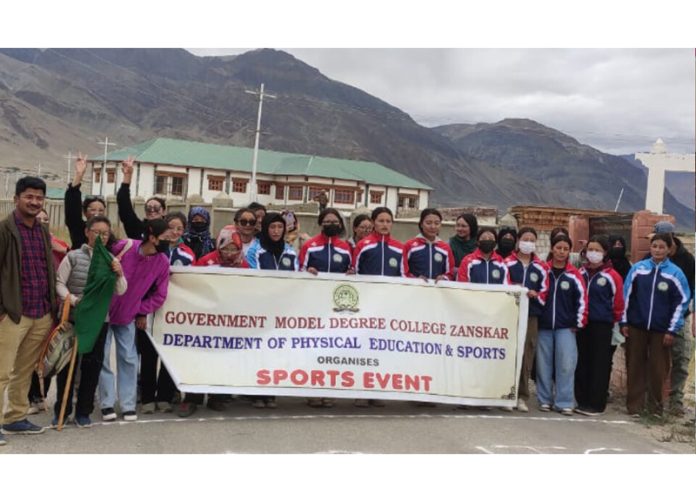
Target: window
[
  {"x": 280, "y": 191},
  {"x": 344, "y": 196},
  {"x": 408, "y": 201},
  {"x": 97, "y": 175},
  {"x": 313, "y": 192},
  {"x": 295, "y": 192},
  {"x": 110, "y": 175},
  {"x": 264, "y": 188},
  {"x": 376, "y": 197},
  {"x": 239, "y": 186},
  {"x": 177, "y": 186},
  {"x": 215, "y": 183},
  {"x": 161, "y": 185}
]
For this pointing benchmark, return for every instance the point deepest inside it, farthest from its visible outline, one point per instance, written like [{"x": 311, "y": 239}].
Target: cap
[{"x": 664, "y": 227}]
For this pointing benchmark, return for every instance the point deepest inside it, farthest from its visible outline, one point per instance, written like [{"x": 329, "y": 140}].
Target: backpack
[{"x": 57, "y": 348}]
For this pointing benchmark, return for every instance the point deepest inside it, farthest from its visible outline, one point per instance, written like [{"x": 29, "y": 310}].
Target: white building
[{"x": 174, "y": 168}]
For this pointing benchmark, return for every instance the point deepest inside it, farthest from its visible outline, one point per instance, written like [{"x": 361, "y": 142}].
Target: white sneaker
[
  {"x": 130, "y": 416},
  {"x": 522, "y": 406}
]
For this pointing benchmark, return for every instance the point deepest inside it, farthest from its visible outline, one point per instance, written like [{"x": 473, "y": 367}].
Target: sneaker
[
  {"x": 22, "y": 427},
  {"x": 522, "y": 406},
  {"x": 164, "y": 407},
  {"x": 147, "y": 408},
  {"x": 216, "y": 405},
  {"x": 587, "y": 412},
  {"x": 2, "y": 440},
  {"x": 544, "y": 407},
  {"x": 83, "y": 421},
  {"x": 108, "y": 414},
  {"x": 377, "y": 403},
  {"x": 259, "y": 403},
  {"x": 314, "y": 402},
  {"x": 327, "y": 402},
  {"x": 361, "y": 403},
  {"x": 271, "y": 403},
  {"x": 186, "y": 409},
  {"x": 130, "y": 416},
  {"x": 567, "y": 412}
]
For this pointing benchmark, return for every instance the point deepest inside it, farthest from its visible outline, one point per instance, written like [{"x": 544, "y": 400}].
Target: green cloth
[
  {"x": 91, "y": 312},
  {"x": 461, "y": 248}
]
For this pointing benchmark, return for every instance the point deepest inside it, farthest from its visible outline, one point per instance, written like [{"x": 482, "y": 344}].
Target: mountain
[
  {"x": 55, "y": 100},
  {"x": 565, "y": 172}
]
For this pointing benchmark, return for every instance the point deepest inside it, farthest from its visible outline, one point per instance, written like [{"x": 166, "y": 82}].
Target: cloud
[{"x": 617, "y": 100}]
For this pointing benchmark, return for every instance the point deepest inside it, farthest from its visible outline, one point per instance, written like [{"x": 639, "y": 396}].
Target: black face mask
[
  {"x": 331, "y": 230},
  {"x": 617, "y": 253},
  {"x": 506, "y": 245},
  {"x": 199, "y": 226},
  {"x": 162, "y": 246},
  {"x": 486, "y": 246}
]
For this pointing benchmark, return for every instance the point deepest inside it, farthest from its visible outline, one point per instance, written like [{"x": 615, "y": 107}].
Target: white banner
[{"x": 294, "y": 334}]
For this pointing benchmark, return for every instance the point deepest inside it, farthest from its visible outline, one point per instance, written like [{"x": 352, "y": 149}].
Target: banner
[{"x": 294, "y": 334}]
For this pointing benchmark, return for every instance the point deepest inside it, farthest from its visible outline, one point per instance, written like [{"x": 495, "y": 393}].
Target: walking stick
[{"x": 68, "y": 386}]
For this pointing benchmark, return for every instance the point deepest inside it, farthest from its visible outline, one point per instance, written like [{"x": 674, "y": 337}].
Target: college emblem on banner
[
  {"x": 565, "y": 285},
  {"x": 346, "y": 297},
  {"x": 662, "y": 286}
]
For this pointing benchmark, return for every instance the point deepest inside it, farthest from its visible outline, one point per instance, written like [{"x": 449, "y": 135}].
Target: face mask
[
  {"x": 527, "y": 247},
  {"x": 486, "y": 246},
  {"x": 594, "y": 257},
  {"x": 617, "y": 253},
  {"x": 162, "y": 246},
  {"x": 199, "y": 226},
  {"x": 331, "y": 230},
  {"x": 506, "y": 245}
]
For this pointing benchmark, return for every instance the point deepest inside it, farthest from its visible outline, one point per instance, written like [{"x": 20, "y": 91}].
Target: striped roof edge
[{"x": 186, "y": 153}]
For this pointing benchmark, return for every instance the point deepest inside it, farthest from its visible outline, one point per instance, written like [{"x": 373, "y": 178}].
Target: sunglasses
[
  {"x": 247, "y": 223},
  {"x": 153, "y": 209}
]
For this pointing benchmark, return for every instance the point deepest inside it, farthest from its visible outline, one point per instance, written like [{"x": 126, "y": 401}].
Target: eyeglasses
[
  {"x": 98, "y": 233},
  {"x": 247, "y": 223},
  {"x": 153, "y": 209},
  {"x": 330, "y": 222}
]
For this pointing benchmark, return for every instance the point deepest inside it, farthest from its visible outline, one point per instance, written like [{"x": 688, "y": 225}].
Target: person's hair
[
  {"x": 427, "y": 212},
  {"x": 526, "y": 230},
  {"x": 561, "y": 237},
  {"x": 92, "y": 198},
  {"x": 160, "y": 200},
  {"x": 155, "y": 228},
  {"x": 101, "y": 219},
  {"x": 665, "y": 237},
  {"x": 254, "y": 206},
  {"x": 558, "y": 230},
  {"x": 241, "y": 211},
  {"x": 483, "y": 230},
  {"x": 614, "y": 238},
  {"x": 330, "y": 210},
  {"x": 471, "y": 221},
  {"x": 603, "y": 241},
  {"x": 359, "y": 219},
  {"x": 176, "y": 215},
  {"x": 379, "y": 210},
  {"x": 23, "y": 184},
  {"x": 507, "y": 230}
]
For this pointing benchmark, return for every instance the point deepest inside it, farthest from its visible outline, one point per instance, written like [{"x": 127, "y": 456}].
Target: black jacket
[{"x": 133, "y": 225}]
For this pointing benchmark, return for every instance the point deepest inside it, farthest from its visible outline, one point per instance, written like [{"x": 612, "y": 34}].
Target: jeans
[
  {"x": 126, "y": 369},
  {"x": 556, "y": 356}
]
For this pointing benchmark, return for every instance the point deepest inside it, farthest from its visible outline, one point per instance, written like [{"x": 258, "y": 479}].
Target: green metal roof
[
  {"x": 176, "y": 152},
  {"x": 55, "y": 193}
]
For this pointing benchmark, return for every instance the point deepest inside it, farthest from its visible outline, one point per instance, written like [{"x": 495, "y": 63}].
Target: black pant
[
  {"x": 152, "y": 388},
  {"x": 594, "y": 365},
  {"x": 90, "y": 367},
  {"x": 35, "y": 389}
]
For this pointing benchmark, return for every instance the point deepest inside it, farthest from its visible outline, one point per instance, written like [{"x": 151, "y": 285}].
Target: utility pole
[
  {"x": 619, "y": 201},
  {"x": 103, "y": 171},
  {"x": 69, "y": 157},
  {"x": 261, "y": 95}
]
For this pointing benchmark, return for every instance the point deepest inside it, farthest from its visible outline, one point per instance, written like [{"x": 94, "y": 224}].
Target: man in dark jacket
[
  {"x": 682, "y": 348},
  {"x": 27, "y": 301}
]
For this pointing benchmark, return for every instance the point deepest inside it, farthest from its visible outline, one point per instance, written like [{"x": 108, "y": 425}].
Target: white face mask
[
  {"x": 527, "y": 247},
  {"x": 595, "y": 257}
]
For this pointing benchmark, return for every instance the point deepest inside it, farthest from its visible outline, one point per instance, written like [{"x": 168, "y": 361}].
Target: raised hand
[
  {"x": 127, "y": 168},
  {"x": 80, "y": 168}
]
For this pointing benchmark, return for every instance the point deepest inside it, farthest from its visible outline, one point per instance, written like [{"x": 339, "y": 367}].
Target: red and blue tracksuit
[
  {"x": 379, "y": 254},
  {"x": 423, "y": 258},
  {"x": 259, "y": 257},
  {"x": 326, "y": 254},
  {"x": 566, "y": 300},
  {"x": 604, "y": 294},
  {"x": 657, "y": 297},
  {"x": 475, "y": 268},
  {"x": 534, "y": 277},
  {"x": 181, "y": 255}
]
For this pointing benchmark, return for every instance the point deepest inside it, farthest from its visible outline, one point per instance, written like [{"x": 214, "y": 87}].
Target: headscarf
[
  {"x": 230, "y": 235},
  {"x": 620, "y": 263},
  {"x": 274, "y": 247},
  {"x": 199, "y": 241}
]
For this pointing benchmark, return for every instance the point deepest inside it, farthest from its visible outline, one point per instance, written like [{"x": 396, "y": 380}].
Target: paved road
[{"x": 399, "y": 428}]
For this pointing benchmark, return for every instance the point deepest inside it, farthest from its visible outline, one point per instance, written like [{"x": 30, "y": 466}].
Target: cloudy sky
[{"x": 617, "y": 100}]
